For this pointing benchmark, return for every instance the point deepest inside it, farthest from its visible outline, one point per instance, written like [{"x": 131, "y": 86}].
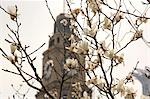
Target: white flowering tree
[{"x": 102, "y": 39}]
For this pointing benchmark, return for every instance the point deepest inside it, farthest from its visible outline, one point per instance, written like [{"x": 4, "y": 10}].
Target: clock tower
[{"x": 57, "y": 80}]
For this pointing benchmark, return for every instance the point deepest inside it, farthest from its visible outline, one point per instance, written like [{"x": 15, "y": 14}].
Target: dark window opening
[
  {"x": 55, "y": 27},
  {"x": 51, "y": 43},
  {"x": 48, "y": 57},
  {"x": 58, "y": 40}
]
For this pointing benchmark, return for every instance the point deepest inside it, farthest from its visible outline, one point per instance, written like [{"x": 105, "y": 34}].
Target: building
[
  {"x": 144, "y": 78},
  {"x": 58, "y": 80}
]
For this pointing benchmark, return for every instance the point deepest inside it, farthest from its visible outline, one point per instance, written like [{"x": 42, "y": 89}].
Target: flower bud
[
  {"x": 13, "y": 48},
  {"x": 12, "y": 10}
]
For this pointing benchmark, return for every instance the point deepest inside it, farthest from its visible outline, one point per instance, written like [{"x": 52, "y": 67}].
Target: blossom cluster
[
  {"x": 71, "y": 64},
  {"x": 12, "y": 10},
  {"x": 77, "y": 90},
  {"x": 95, "y": 49},
  {"x": 81, "y": 47},
  {"x": 127, "y": 92},
  {"x": 100, "y": 82},
  {"x": 95, "y": 5},
  {"x": 14, "y": 47}
]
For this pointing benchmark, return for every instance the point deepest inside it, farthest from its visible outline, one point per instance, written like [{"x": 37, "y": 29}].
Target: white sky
[{"x": 37, "y": 24}]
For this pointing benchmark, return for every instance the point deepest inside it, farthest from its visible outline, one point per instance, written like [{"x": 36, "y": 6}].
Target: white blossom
[
  {"x": 141, "y": 20},
  {"x": 130, "y": 93},
  {"x": 82, "y": 47},
  {"x": 118, "y": 17},
  {"x": 11, "y": 59},
  {"x": 67, "y": 15},
  {"x": 91, "y": 31},
  {"x": 107, "y": 23},
  {"x": 100, "y": 82},
  {"x": 120, "y": 87},
  {"x": 71, "y": 64},
  {"x": 75, "y": 13},
  {"x": 13, "y": 47},
  {"x": 85, "y": 95},
  {"x": 64, "y": 22},
  {"x": 12, "y": 10},
  {"x": 138, "y": 34},
  {"x": 72, "y": 38},
  {"x": 72, "y": 24},
  {"x": 95, "y": 5},
  {"x": 92, "y": 65},
  {"x": 119, "y": 59},
  {"x": 50, "y": 62},
  {"x": 110, "y": 54},
  {"x": 104, "y": 46},
  {"x": 46, "y": 96},
  {"x": 54, "y": 93},
  {"x": 77, "y": 89},
  {"x": 72, "y": 47},
  {"x": 77, "y": 86}
]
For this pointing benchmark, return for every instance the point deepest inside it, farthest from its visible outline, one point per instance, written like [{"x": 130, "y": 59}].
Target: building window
[
  {"x": 51, "y": 43},
  {"x": 58, "y": 40}
]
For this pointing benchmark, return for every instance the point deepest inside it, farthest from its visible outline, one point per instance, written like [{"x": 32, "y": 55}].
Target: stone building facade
[{"x": 54, "y": 76}]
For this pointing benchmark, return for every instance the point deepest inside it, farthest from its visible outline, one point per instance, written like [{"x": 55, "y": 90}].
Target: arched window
[
  {"x": 51, "y": 43},
  {"x": 58, "y": 40}
]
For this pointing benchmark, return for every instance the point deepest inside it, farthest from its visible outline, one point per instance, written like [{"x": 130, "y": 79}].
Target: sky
[{"x": 37, "y": 24}]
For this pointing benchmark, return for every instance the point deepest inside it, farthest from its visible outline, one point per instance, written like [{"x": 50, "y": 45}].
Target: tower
[{"x": 56, "y": 78}]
